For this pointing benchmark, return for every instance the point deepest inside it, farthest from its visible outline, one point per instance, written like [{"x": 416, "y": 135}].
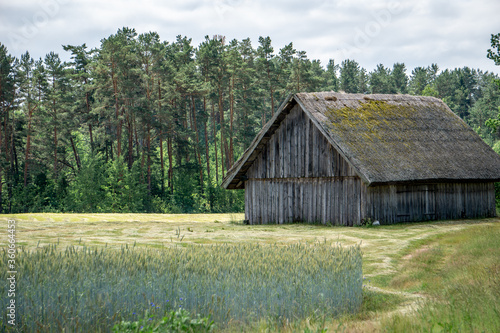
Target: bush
[{"x": 174, "y": 321}]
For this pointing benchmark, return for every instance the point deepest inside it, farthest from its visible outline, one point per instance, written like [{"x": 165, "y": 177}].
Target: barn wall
[
  {"x": 299, "y": 176},
  {"x": 298, "y": 149},
  {"x": 403, "y": 203},
  {"x": 336, "y": 201}
]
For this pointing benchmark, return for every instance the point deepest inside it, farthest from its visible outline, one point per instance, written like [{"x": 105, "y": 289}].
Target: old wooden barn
[{"x": 340, "y": 158}]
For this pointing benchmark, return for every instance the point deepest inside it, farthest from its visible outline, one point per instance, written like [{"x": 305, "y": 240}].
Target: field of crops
[{"x": 90, "y": 289}]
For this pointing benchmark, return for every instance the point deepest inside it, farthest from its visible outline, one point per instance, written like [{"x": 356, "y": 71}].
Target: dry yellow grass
[{"x": 380, "y": 245}]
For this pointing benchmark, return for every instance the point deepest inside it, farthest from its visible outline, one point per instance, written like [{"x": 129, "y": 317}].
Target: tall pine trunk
[
  {"x": 170, "y": 163},
  {"x": 130, "y": 132},
  {"x": 205, "y": 120},
  {"x": 223, "y": 143},
  {"x": 214, "y": 134},
  {"x": 1, "y": 157},
  {"x": 162, "y": 162},
  {"x": 75, "y": 153},
  {"x": 87, "y": 103},
  {"x": 55, "y": 152},
  {"x": 270, "y": 89},
  {"x": 28, "y": 142},
  {"x": 117, "y": 111},
  {"x": 148, "y": 151},
  {"x": 198, "y": 153},
  {"x": 231, "y": 119}
]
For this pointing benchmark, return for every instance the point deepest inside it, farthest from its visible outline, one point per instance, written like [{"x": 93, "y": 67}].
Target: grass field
[{"x": 440, "y": 276}]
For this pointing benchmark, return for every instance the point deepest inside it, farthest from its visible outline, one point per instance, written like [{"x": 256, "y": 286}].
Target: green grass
[
  {"x": 439, "y": 276},
  {"x": 460, "y": 273}
]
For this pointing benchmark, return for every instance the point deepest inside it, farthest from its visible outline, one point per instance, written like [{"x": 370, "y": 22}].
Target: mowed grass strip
[{"x": 459, "y": 273}]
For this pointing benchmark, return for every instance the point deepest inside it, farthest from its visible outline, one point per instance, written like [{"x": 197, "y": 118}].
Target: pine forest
[{"x": 144, "y": 125}]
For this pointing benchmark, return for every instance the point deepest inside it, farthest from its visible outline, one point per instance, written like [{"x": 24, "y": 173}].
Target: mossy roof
[{"x": 387, "y": 139}]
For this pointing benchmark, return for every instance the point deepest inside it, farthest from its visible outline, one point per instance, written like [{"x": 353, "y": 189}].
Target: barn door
[{"x": 416, "y": 203}]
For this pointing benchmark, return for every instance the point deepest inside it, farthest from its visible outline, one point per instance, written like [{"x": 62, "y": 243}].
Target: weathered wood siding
[
  {"x": 299, "y": 176},
  {"x": 312, "y": 200},
  {"x": 404, "y": 203}
]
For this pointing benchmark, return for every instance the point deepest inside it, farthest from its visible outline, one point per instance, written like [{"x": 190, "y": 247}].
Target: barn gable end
[{"x": 297, "y": 171}]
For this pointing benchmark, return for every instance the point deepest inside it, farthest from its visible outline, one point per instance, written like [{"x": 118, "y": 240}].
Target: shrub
[{"x": 174, "y": 321}]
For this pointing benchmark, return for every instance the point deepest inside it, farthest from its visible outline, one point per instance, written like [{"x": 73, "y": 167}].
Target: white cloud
[{"x": 418, "y": 33}]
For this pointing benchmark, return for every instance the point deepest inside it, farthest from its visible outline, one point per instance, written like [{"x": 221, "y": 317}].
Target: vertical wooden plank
[
  {"x": 286, "y": 147},
  {"x": 328, "y": 192},
  {"x": 315, "y": 151},
  {"x": 290, "y": 140},
  {"x": 307, "y": 148},
  {"x": 260, "y": 196},
  {"x": 341, "y": 201},
  {"x": 284, "y": 194},
  {"x": 263, "y": 184},
  {"x": 251, "y": 184},
  {"x": 282, "y": 151},
  {"x": 362, "y": 200},
  {"x": 279, "y": 205},
  {"x": 304, "y": 198},
  {"x": 272, "y": 163},
  {"x": 257, "y": 203},
  {"x": 310, "y": 203},
  {"x": 350, "y": 201},
  {"x": 293, "y": 150},
  {"x": 324, "y": 184},
  {"x": 247, "y": 200},
  {"x": 300, "y": 144},
  {"x": 318, "y": 201},
  {"x": 285, "y": 202},
  {"x": 336, "y": 207},
  {"x": 271, "y": 200},
  {"x": 290, "y": 201},
  {"x": 300, "y": 194}
]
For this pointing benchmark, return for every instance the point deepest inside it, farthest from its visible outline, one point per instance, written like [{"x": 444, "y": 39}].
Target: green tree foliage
[
  {"x": 399, "y": 78},
  {"x": 331, "y": 76},
  {"x": 381, "y": 81},
  {"x": 144, "y": 125},
  {"x": 349, "y": 76},
  {"x": 494, "y": 54},
  {"x": 7, "y": 125},
  {"x": 87, "y": 190}
]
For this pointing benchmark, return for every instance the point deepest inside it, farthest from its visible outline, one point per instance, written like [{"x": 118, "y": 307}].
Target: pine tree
[
  {"x": 399, "y": 78},
  {"x": 332, "y": 81},
  {"x": 7, "y": 96},
  {"x": 265, "y": 66},
  {"x": 80, "y": 75},
  {"x": 58, "y": 119},
  {"x": 349, "y": 76},
  {"x": 381, "y": 81},
  {"x": 27, "y": 94}
]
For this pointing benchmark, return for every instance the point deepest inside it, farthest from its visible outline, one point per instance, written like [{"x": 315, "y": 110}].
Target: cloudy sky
[{"x": 451, "y": 33}]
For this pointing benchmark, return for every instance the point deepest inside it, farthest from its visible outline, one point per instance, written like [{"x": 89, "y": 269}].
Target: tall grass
[{"x": 91, "y": 289}]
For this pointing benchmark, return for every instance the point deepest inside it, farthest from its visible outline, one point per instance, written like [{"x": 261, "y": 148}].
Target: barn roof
[{"x": 387, "y": 139}]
